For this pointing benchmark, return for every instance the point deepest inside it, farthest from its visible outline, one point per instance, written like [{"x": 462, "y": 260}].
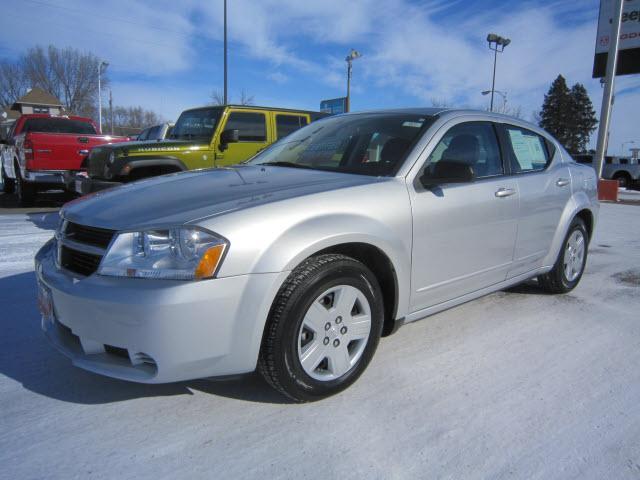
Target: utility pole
[
  {"x": 353, "y": 55},
  {"x": 111, "y": 110},
  {"x": 100, "y": 65},
  {"x": 607, "y": 95},
  {"x": 225, "y": 52}
]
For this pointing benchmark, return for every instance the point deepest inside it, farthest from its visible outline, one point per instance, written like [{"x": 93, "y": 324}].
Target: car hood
[{"x": 189, "y": 196}]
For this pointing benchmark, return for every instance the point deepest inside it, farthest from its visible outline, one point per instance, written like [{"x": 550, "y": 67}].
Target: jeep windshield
[
  {"x": 365, "y": 144},
  {"x": 196, "y": 124}
]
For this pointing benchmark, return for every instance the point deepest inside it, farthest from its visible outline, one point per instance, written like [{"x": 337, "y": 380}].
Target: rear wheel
[
  {"x": 323, "y": 329},
  {"x": 25, "y": 191},
  {"x": 623, "y": 179},
  {"x": 569, "y": 267},
  {"x": 6, "y": 184}
]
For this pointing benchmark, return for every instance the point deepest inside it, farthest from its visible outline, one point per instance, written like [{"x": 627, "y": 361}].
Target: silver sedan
[{"x": 298, "y": 261}]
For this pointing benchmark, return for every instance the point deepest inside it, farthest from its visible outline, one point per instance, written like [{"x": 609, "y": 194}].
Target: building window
[{"x": 40, "y": 109}]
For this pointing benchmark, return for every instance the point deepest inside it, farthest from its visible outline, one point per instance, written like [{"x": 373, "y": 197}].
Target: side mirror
[
  {"x": 229, "y": 136},
  {"x": 446, "y": 171}
]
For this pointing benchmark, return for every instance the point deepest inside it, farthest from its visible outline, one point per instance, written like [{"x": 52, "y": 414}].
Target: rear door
[
  {"x": 544, "y": 186},
  {"x": 463, "y": 234},
  {"x": 253, "y": 136}
]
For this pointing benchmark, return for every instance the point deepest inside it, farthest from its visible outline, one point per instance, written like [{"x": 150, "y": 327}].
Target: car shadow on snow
[
  {"x": 27, "y": 358},
  {"x": 44, "y": 220}
]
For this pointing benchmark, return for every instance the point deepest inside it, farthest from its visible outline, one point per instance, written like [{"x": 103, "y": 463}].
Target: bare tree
[
  {"x": 69, "y": 74},
  {"x": 13, "y": 83},
  {"x": 133, "y": 117},
  {"x": 440, "y": 102},
  {"x": 216, "y": 98},
  {"x": 245, "y": 98}
]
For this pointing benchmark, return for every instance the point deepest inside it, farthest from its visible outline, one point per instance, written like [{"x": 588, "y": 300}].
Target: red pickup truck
[{"x": 41, "y": 148}]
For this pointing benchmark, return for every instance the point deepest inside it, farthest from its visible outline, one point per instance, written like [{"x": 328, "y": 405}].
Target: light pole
[
  {"x": 624, "y": 143},
  {"x": 353, "y": 55},
  {"x": 225, "y": 52},
  {"x": 497, "y": 44},
  {"x": 502, "y": 94},
  {"x": 100, "y": 65}
]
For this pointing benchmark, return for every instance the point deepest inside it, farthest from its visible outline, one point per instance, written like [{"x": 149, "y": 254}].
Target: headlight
[{"x": 181, "y": 253}]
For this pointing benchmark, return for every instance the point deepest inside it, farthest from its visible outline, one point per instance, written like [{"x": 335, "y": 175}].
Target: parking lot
[{"x": 516, "y": 384}]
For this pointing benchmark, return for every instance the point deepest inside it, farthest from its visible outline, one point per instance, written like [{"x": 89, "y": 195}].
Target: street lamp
[
  {"x": 100, "y": 65},
  {"x": 624, "y": 143},
  {"x": 502, "y": 94},
  {"x": 497, "y": 44},
  {"x": 353, "y": 55}
]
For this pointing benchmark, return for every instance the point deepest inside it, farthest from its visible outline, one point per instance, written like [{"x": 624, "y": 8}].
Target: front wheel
[
  {"x": 6, "y": 184},
  {"x": 25, "y": 191},
  {"x": 569, "y": 267},
  {"x": 323, "y": 328}
]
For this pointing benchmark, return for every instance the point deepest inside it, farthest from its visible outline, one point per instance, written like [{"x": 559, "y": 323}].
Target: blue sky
[{"x": 167, "y": 55}]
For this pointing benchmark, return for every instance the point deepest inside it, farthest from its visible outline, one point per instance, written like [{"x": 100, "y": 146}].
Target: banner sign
[
  {"x": 629, "y": 49},
  {"x": 334, "y": 105}
]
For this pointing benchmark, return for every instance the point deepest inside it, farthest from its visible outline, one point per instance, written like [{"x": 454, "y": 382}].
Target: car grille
[
  {"x": 81, "y": 247},
  {"x": 99, "y": 237},
  {"x": 96, "y": 161}
]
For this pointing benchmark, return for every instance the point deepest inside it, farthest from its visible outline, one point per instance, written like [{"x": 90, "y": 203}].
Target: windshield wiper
[{"x": 285, "y": 164}]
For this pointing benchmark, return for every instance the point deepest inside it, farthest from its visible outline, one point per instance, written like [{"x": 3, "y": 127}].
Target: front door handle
[
  {"x": 505, "y": 192},
  {"x": 562, "y": 182}
]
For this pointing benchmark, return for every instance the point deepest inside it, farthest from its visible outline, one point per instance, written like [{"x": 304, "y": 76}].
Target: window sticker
[{"x": 527, "y": 149}]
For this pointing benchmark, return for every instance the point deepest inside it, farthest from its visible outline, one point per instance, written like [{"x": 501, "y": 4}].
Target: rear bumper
[
  {"x": 81, "y": 184},
  {"x": 49, "y": 177}
]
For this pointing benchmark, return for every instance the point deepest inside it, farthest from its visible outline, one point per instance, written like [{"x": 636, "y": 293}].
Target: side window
[
  {"x": 286, "y": 124},
  {"x": 472, "y": 143},
  {"x": 528, "y": 150},
  {"x": 154, "y": 132},
  {"x": 144, "y": 134},
  {"x": 252, "y": 127}
]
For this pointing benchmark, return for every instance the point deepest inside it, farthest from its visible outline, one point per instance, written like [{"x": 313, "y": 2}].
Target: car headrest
[
  {"x": 394, "y": 149},
  {"x": 463, "y": 148}
]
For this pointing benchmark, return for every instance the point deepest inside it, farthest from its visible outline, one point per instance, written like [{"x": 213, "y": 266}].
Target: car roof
[{"x": 257, "y": 107}]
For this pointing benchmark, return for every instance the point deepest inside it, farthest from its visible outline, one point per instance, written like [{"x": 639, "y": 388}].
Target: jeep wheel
[{"x": 323, "y": 328}]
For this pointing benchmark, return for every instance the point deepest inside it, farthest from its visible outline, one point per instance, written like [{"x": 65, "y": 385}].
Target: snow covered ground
[{"x": 515, "y": 385}]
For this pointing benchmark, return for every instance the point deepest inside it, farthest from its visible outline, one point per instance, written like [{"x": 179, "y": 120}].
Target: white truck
[{"x": 623, "y": 169}]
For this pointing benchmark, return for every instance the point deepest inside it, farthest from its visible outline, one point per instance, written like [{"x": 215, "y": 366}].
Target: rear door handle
[
  {"x": 505, "y": 192},
  {"x": 562, "y": 182}
]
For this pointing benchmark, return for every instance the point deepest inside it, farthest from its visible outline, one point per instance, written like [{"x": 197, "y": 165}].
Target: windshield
[
  {"x": 58, "y": 125},
  {"x": 367, "y": 144},
  {"x": 196, "y": 124}
]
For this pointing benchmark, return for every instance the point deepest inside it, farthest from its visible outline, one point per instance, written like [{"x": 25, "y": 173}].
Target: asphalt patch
[{"x": 628, "y": 277}]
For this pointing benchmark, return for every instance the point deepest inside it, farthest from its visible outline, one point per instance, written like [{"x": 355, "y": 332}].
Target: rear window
[{"x": 58, "y": 125}]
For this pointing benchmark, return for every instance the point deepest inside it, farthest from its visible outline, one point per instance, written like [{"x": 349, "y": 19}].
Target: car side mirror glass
[
  {"x": 231, "y": 135},
  {"x": 447, "y": 171}
]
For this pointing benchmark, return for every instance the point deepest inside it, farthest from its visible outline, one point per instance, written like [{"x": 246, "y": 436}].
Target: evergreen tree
[
  {"x": 583, "y": 119},
  {"x": 556, "y": 111},
  {"x": 568, "y": 115}
]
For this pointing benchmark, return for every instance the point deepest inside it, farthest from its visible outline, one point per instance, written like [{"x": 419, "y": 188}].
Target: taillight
[{"x": 27, "y": 148}]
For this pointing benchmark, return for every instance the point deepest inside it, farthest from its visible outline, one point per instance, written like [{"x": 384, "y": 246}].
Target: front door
[
  {"x": 253, "y": 137},
  {"x": 463, "y": 234}
]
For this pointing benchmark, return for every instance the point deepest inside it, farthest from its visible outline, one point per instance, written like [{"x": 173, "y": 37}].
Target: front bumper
[
  {"x": 82, "y": 184},
  {"x": 157, "y": 331}
]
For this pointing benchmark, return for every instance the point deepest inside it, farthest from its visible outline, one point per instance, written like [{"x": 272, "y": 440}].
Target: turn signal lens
[{"x": 209, "y": 262}]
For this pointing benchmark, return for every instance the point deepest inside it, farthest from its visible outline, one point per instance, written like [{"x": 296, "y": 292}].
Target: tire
[
  {"x": 25, "y": 191},
  {"x": 8, "y": 184},
  {"x": 569, "y": 267},
  {"x": 624, "y": 180},
  {"x": 314, "y": 343}
]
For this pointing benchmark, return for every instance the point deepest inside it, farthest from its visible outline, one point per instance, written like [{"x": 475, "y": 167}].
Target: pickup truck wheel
[
  {"x": 26, "y": 192},
  {"x": 8, "y": 184},
  {"x": 624, "y": 180},
  {"x": 569, "y": 267},
  {"x": 323, "y": 328}
]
